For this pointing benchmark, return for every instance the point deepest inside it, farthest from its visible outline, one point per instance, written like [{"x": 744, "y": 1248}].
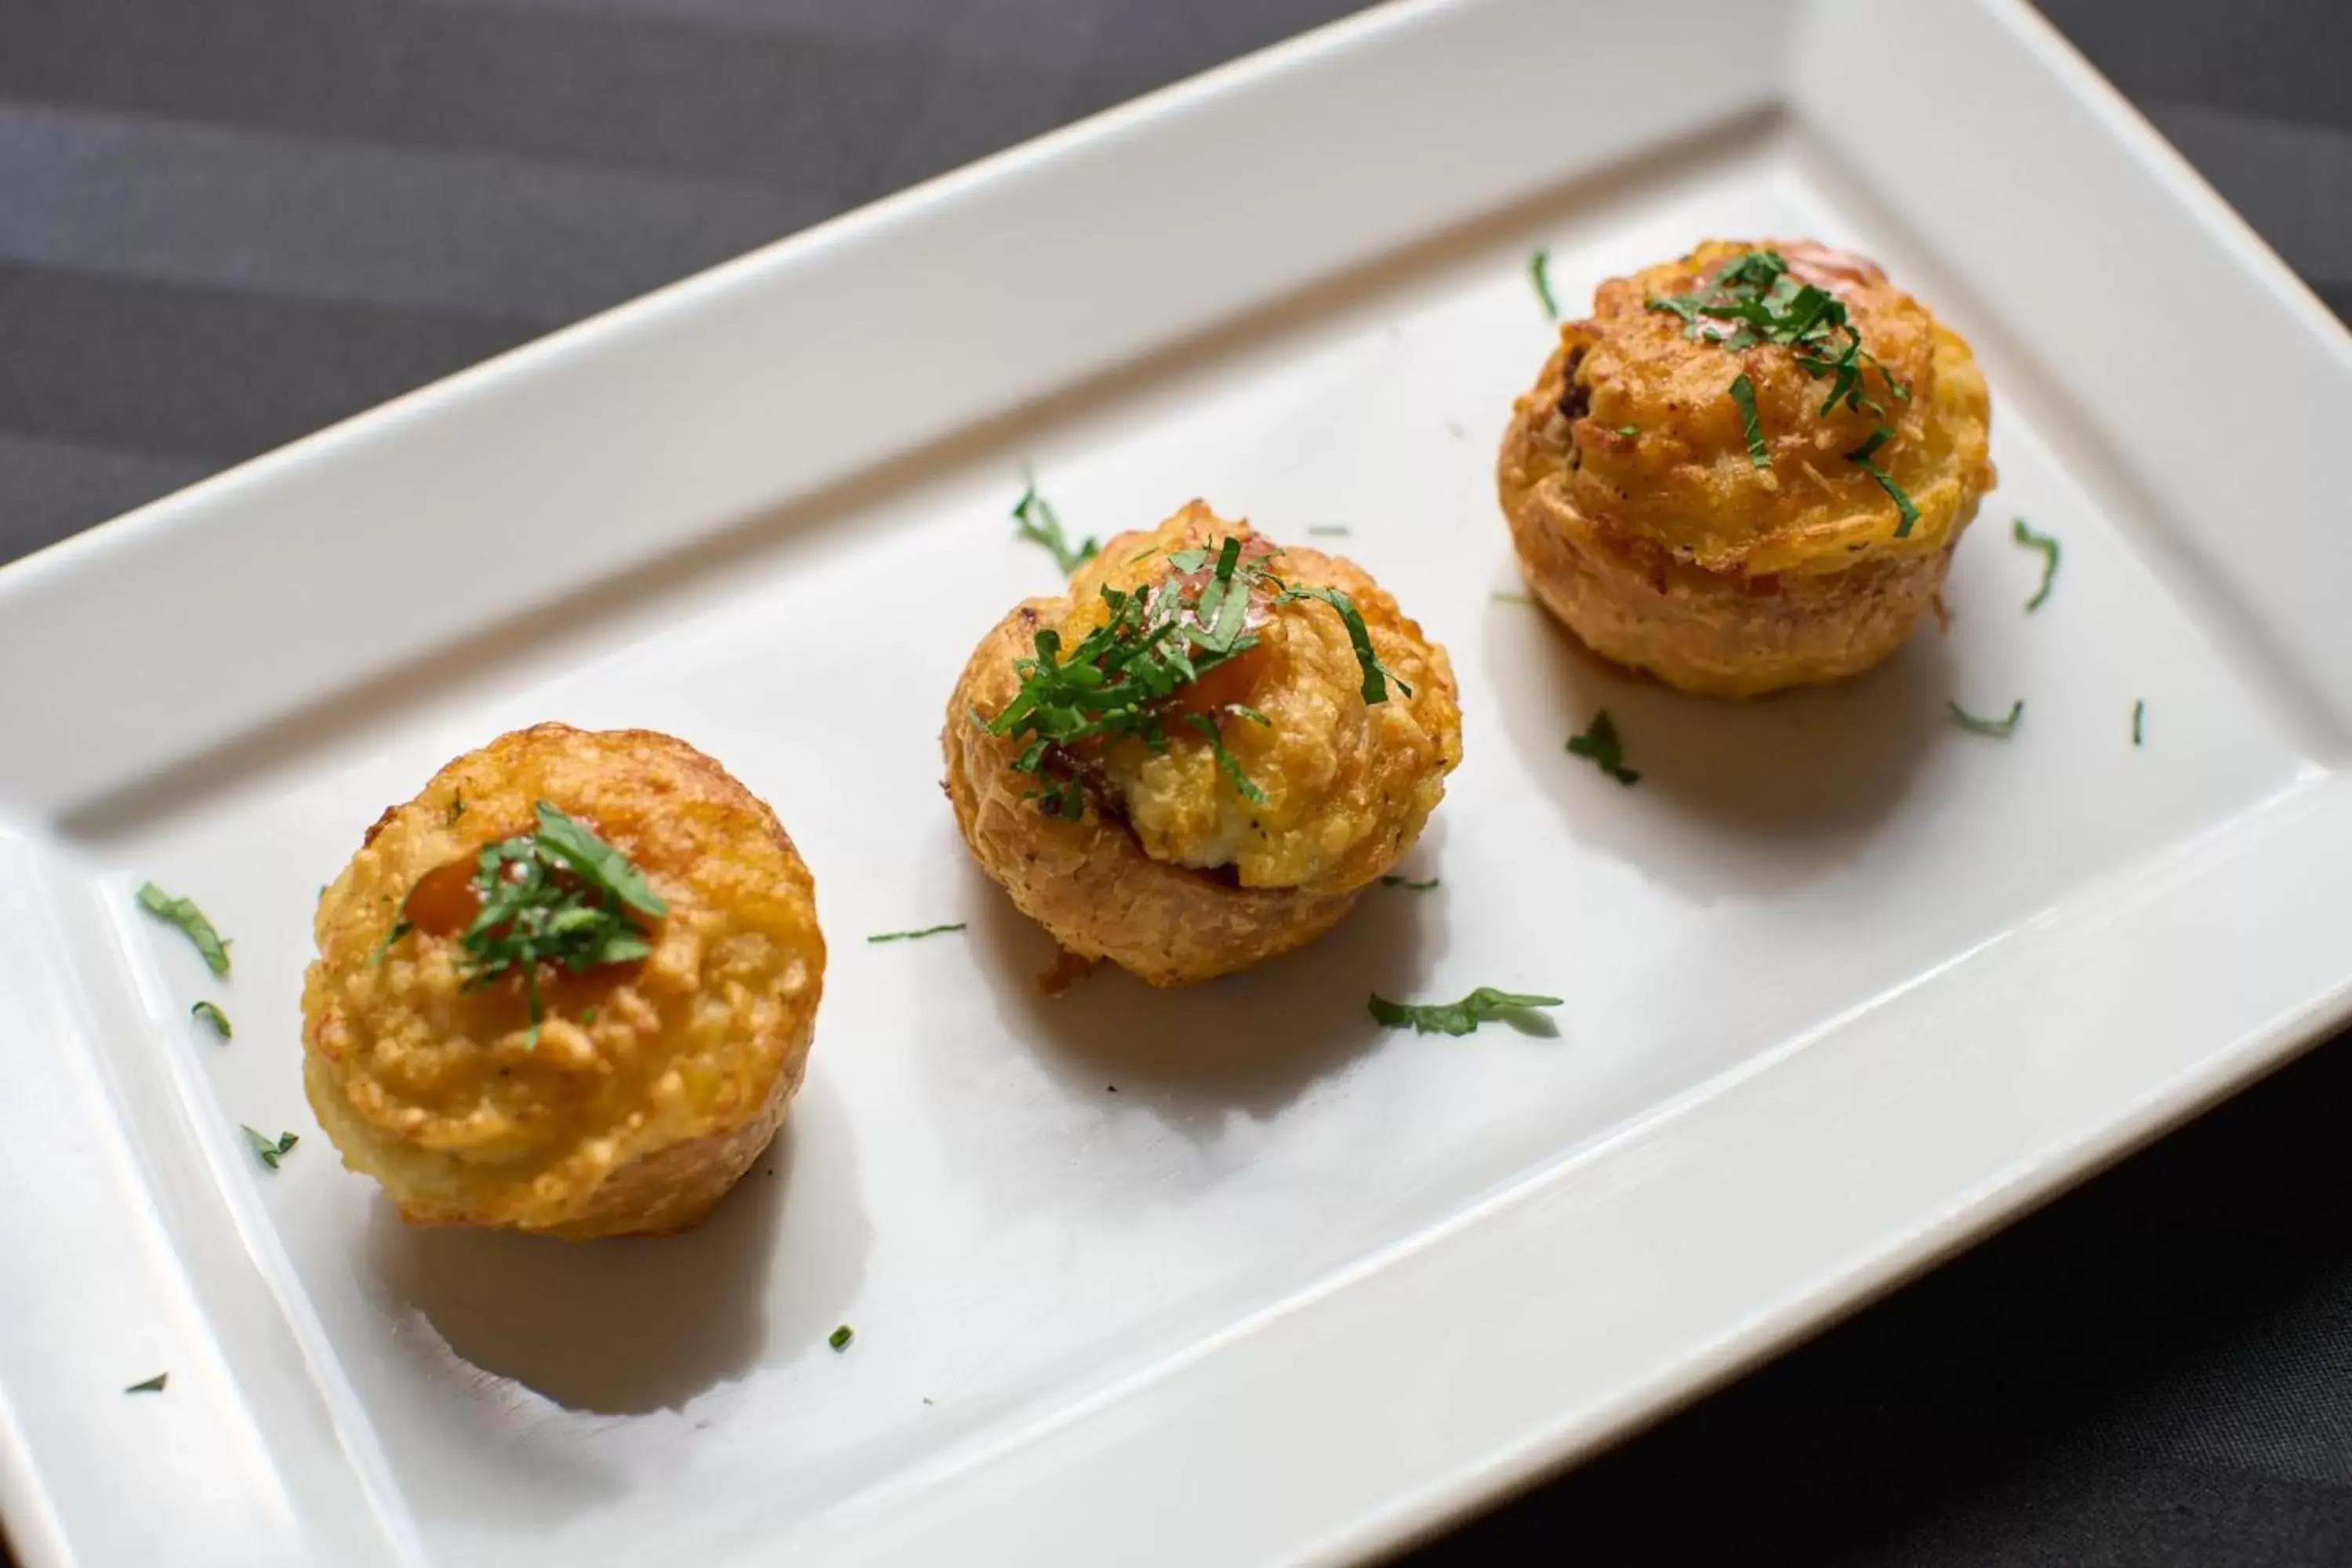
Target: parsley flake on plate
[
  {"x": 914, "y": 935},
  {"x": 152, "y": 1386},
  {"x": 211, "y": 1014},
  {"x": 1601, "y": 746},
  {"x": 2140, "y": 720},
  {"x": 1408, "y": 884},
  {"x": 1484, "y": 1005},
  {"x": 184, "y": 913},
  {"x": 1540, "y": 274},
  {"x": 1999, "y": 729},
  {"x": 839, "y": 1339},
  {"x": 1041, "y": 525},
  {"x": 2023, "y": 532},
  {"x": 271, "y": 1150}
]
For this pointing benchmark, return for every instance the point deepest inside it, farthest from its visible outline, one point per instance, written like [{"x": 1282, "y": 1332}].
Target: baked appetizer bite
[
  {"x": 569, "y": 988},
  {"x": 1746, "y": 470},
  {"x": 1204, "y": 753}
]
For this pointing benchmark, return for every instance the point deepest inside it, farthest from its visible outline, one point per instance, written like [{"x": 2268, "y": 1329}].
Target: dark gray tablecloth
[{"x": 224, "y": 222}]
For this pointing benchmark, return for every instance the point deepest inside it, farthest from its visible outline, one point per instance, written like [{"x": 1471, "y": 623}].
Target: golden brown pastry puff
[
  {"x": 1200, "y": 757},
  {"x": 568, "y": 988},
  {"x": 1748, "y": 468}
]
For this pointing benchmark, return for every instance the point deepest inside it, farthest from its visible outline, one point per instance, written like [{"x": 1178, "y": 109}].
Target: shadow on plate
[
  {"x": 1735, "y": 799},
  {"x": 625, "y": 1326},
  {"x": 1251, "y": 1042}
]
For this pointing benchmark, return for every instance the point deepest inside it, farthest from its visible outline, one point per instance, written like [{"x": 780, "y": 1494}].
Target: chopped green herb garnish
[
  {"x": 2022, "y": 531},
  {"x": 1999, "y": 729},
  {"x": 587, "y": 1015},
  {"x": 1503, "y": 598},
  {"x": 457, "y": 810},
  {"x": 1041, "y": 525},
  {"x": 184, "y": 913},
  {"x": 1601, "y": 746},
  {"x": 1331, "y": 532},
  {"x": 2139, "y": 719},
  {"x": 839, "y": 1339},
  {"x": 400, "y": 928},
  {"x": 1770, "y": 304},
  {"x": 1120, "y": 679},
  {"x": 914, "y": 935},
  {"x": 557, "y": 894},
  {"x": 1408, "y": 883},
  {"x": 1376, "y": 674},
  {"x": 1484, "y": 1005},
  {"x": 211, "y": 1014},
  {"x": 271, "y": 1150},
  {"x": 1540, "y": 273},
  {"x": 1628, "y": 429},
  {"x": 1859, "y": 457},
  {"x": 152, "y": 1386},
  {"x": 1243, "y": 784},
  {"x": 1743, "y": 393}
]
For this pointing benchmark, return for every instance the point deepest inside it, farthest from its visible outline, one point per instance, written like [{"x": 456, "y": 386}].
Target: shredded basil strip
[
  {"x": 2023, "y": 532},
  {"x": 184, "y": 913},
  {"x": 1484, "y": 1005},
  {"x": 1743, "y": 393},
  {"x": 1999, "y": 729}
]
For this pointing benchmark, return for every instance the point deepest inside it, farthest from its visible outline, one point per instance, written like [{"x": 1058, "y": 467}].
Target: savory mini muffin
[
  {"x": 1203, "y": 754},
  {"x": 1746, "y": 470},
  {"x": 568, "y": 988}
]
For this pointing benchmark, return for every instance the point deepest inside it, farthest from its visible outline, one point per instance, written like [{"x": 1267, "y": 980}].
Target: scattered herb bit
[
  {"x": 2139, "y": 719},
  {"x": 1119, "y": 681},
  {"x": 184, "y": 913},
  {"x": 1408, "y": 883},
  {"x": 1628, "y": 429},
  {"x": 1244, "y": 785},
  {"x": 557, "y": 894},
  {"x": 400, "y": 928},
  {"x": 1331, "y": 532},
  {"x": 1501, "y": 597},
  {"x": 152, "y": 1386},
  {"x": 1041, "y": 525},
  {"x": 839, "y": 1339},
  {"x": 1484, "y": 1005},
  {"x": 1743, "y": 393},
  {"x": 1601, "y": 746},
  {"x": 322, "y": 890},
  {"x": 1540, "y": 272},
  {"x": 211, "y": 1014},
  {"x": 457, "y": 810},
  {"x": 1859, "y": 457},
  {"x": 914, "y": 935},
  {"x": 1376, "y": 674},
  {"x": 1999, "y": 729},
  {"x": 1110, "y": 1089},
  {"x": 587, "y": 1015},
  {"x": 271, "y": 1150},
  {"x": 2022, "y": 531},
  {"x": 1770, "y": 305}
]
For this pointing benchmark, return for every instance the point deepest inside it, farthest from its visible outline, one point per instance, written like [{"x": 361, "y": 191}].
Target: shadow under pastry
[
  {"x": 1736, "y": 798},
  {"x": 631, "y": 1325}
]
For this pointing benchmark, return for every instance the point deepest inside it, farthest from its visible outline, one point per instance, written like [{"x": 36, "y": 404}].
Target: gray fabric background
[{"x": 224, "y": 222}]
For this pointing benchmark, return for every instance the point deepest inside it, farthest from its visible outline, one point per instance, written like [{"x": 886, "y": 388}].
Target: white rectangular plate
[{"x": 1845, "y": 985}]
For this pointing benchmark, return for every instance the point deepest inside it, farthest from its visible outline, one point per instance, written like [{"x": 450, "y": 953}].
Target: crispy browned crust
[
  {"x": 1643, "y": 525},
  {"x": 635, "y": 1125},
  {"x": 1090, "y": 882}
]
